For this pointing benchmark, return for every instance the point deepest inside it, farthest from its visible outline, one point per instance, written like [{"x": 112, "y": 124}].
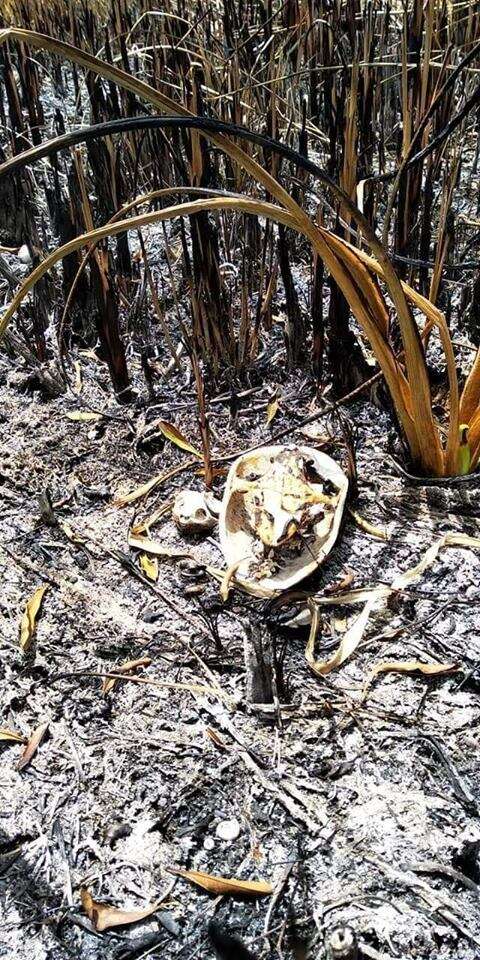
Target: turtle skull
[{"x": 190, "y": 512}]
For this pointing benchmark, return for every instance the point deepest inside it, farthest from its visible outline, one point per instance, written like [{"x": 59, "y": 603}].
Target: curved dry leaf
[
  {"x": 252, "y": 589},
  {"x": 78, "y": 385},
  {"x": 32, "y": 745},
  {"x": 381, "y": 533},
  {"x": 145, "y": 488},
  {"x": 143, "y": 526},
  {"x": 215, "y": 737},
  {"x": 149, "y": 566},
  {"x": 222, "y": 886},
  {"x": 27, "y": 624},
  {"x": 450, "y": 539},
  {"x": 142, "y": 491},
  {"x": 410, "y": 666},
  {"x": 103, "y": 916},
  {"x": 340, "y": 586},
  {"x": 10, "y": 736},
  {"x": 110, "y": 682},
  {"x": 83, "y": 416},
  {"x": 146, "y": 545},
  {"x": 171, "y": 432},
  {"x": 72, "y": 534},
  {"x": 347, "y": 646},
  {"x": 272, "y": 410},
  {"x": 228, "y": 577},
  {"x": 383, "y": 591}
]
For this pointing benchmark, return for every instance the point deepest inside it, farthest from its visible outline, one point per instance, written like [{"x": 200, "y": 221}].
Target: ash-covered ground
[{"x": 359, "y": 805}]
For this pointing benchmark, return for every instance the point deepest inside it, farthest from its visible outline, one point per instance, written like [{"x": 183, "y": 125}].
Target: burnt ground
[{"x": 359, "y": 811}]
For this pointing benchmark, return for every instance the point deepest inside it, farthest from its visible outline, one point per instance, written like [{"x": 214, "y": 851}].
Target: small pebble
[
  {"x": 117, "y": 831},
  {"x": 167, "y": 921},
  {"x": 208, "y": 843},
  {"x": 24, "y": 255},
  {"x": 228, "y": 829},
  {"x": 150, "y": 615}
]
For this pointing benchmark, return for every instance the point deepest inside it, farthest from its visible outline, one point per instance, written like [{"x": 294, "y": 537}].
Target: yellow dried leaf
[
  {"x": 228, "y": 577},
  {"x": 414, "y": 666},
  {"x": 78, "y": 377},
  {"x": 27, "y": 625},
  {"x": 410, "y": 666},
  {"x": 83, "y": 416},
  {"x": 221, "y": 886},
  {"x": 32, "y": 745},
  {"x": 90, "y": 355},
  {"x": 149, "y": 566},
  {"x": 143, "y": 526},
  {"x": 72, "y": 534},
  {"x": 215, "y": 737},
  {"x": 110, "y": 682},
  {"x": 272, "y": 410},
  {"x": 381, "y": 592},
  {"x": 171, "y": 432},
  {"x": 10, "y": 735},
  {"x": 340, "y": 585},
  {"x": 142, "y": 491},
  {"x": 153, "y": 547},
  {"x": 246, "y": 587},
  {"x": 379, "y": 532},
  {"x": 104, "y": 916},
  {"x": 347, "y": 646}
]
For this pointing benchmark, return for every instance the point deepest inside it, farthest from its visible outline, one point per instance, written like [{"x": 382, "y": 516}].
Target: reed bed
[{"x": 325, "y": 158}]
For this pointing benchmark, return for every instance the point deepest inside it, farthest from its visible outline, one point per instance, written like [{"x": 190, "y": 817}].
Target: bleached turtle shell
[{"x": 237, "y": 540}]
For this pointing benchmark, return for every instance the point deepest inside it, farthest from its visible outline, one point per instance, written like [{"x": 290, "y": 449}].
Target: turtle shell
[{"x": 280, "y": 516}]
